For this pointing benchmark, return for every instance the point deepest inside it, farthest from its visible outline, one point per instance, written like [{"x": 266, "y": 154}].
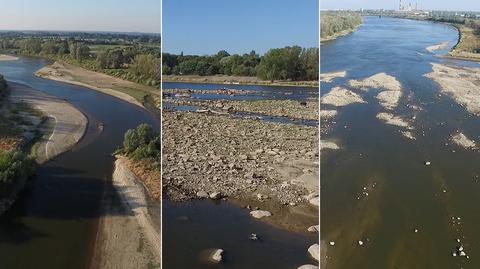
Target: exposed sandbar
[{"x": 341, "y": 97}]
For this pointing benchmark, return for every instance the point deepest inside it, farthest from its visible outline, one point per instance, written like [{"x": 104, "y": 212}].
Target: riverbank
[
  {"x": 339, "y": 34},
  {"x": 467, "y": 42},
  {"x": 128, "y": 235},
  {"x": 254, "y": 164},
  {"x": 235, "y": 80},
  {"x": 128, "y": 91}
]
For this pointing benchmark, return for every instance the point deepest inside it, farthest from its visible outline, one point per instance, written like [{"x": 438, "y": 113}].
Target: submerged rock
[
  {"x": 217, "y": 255},
  {"x": 314, "y": 251},
  {"x": 258, "y": 214}
]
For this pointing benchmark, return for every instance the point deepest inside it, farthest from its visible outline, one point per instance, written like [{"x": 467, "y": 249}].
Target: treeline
[
  {"x": 289, "y": 63},
  {"x": 333, "y": 22},
  {"x": 138, "y": 63}
]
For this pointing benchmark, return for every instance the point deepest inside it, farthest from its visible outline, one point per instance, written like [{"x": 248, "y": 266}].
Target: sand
[
  {"x": 341, "y": 97},
  {"x": 460, "y": 83},
  {"x": 463, "y": 141},
  {"x": 113, "y": 86},
  {"x": 440, "y": 46},
  {"x": 69, "y": 123},
  {"x": 328, "y": 114},
  {"x": 4, "y": 57},
  {"x": 391, "y": 119},
  {"x": 328, "y": 77}
]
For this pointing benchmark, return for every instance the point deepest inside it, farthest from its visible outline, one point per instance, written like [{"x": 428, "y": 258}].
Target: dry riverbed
[
  {"x": 307, "y": 110},
  {"x": 126, "y": 90},
  {"x": 268, "y": 166}
]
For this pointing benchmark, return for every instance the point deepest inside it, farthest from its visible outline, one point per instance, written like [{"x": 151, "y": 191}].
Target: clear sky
[
  {"x": 82, "y": 15},
  {"x": 238, "y": 26},
  {"x": 454, "y": 5}
]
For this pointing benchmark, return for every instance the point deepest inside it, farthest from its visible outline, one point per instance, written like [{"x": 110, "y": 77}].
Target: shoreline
[
  {"x": 205, "y": 80},
  {"x": 125, "y": 221},
  {"x": 339, "y": 34}
]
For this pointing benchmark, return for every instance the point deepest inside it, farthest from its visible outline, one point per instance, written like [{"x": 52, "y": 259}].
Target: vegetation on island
[
  {"x": 134, "y": 57},
  {"x": 335, "y": 23},
  {"x": 288, "y": 63}
]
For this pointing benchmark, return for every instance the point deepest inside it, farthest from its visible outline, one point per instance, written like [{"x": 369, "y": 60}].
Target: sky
[
  {"x": 238, "y": 26},
  {"x": 453, "y": 5},
  {"x": 81, "y": 15}
]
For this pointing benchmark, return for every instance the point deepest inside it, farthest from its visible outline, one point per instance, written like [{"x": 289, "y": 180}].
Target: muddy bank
[
  {"x": 68, "y": 123},
  {"x": 128, "y": 91},
  {"x": 460, "y": 83},
  {"x": 329, "y": 77},
  {"x": 440, "y": 46},
  {"x": 128, "y": 237},
  {"x": 4, "y": 57},
  {"x": 307, "y": 110},
  {"x": 239, "y": 159}
]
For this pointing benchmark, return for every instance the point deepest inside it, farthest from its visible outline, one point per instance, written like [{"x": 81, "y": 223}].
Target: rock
[
  {"x": 314, "y": 228},
  {"x": 427, "y": 163},
  {"x": 360, "y": 242},
  {"x": 253, "y": 236},
  {"x": 202, "y": 194},
  {"x": 332, "y": 243},
  {"x": 314, "y": 251},
  {"x": 308, "y": 266},
  {"x": 216, "y": 255},
  {"x": 261, "y": 196},
  {"x": 215, "y": 195},
  {"x": 315, "y": 201},
  {"x": 258, "y": 214}
]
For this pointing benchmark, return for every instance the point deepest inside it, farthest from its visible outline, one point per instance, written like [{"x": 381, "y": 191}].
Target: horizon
[{"x": 107, "y": 16}]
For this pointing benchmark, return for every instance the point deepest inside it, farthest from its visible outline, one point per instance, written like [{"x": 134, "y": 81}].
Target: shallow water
[
  {"x": 191, "y": 228},
  {"x": 53, "y": 222},
  {"x": 407, "y": 195}
]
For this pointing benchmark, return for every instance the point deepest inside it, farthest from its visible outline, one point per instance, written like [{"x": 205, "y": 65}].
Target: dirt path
[
  {"x": 122, "y": 89},
  {"x": 120, "y": 230},
  {"x": 69, "y": 123}
]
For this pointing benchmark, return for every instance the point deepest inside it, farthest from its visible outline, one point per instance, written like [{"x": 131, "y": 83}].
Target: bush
[
  {"x": 15, "y": 168},
  {"x": 142, "y": 143}
]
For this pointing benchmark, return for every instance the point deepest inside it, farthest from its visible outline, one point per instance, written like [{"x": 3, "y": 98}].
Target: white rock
[
  {"x": 463, "y": 254},
  {"x": 215, "y": 195},
  {"x": 314, "y": 251},
  {"x": 308, "y": 266},
  {"x": 427, "y": 163},
  {"x": 258, "y": 214},
  {"x": 360, "y": 243},
  {"x": 332, "y": 243},
  {"x": 202, "y": 194},
  {"x": 314, "y": 228},
  {"x": 216, "y": 255}
]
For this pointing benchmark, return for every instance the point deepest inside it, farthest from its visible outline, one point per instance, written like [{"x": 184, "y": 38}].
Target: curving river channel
[
  {"x": 53, "y": 223},
  {"x": 415, "y": 215}
]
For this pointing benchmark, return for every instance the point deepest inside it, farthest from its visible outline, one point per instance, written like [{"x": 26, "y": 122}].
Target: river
[
  {"x": 53, "y": 223},
  {"x": 191, "y": 229},
  {"x": 414, "y": 213}
]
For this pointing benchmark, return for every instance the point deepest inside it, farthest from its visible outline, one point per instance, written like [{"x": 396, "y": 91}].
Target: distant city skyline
[
  {"x": 458, "y": 5},
  {"x": 206, "y": 27},
  {"x": 142, "y": 16}
]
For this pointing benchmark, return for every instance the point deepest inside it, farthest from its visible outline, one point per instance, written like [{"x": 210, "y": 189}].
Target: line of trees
[
  {"x": 15, "y": 168},
  {"x": 333, "y": 22},
  {"x": 288, "y": 63},
  {"x": 135, "y": 62},
  {"x": 143, "y": 143}
]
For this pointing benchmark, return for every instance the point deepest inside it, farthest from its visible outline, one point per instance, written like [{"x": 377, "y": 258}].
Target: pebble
[
  {"x": 258, "y": 214},
  {"x": 217, "y": 255},
  {"x": 427, "y": 163},
  {"x": 202, "y": 194},
  {"x": 215, "y": 195},
  {"x": 332, "y": 243},
  {"x": 360, "y": 243},
  {"x": 314, "y": 228}
]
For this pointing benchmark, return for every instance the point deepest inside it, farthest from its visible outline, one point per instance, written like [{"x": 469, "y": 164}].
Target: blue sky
[
  {"x": 457, "y": 5},
  {"x": 238, "y": 26},
  {"x": 84, "y": 15}
]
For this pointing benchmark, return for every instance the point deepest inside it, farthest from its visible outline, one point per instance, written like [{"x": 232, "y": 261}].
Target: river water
[
  {"x": 53, "y": 222},
  {"x": 414, "y": 213},
  {"x": 191, "y": 228}
]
